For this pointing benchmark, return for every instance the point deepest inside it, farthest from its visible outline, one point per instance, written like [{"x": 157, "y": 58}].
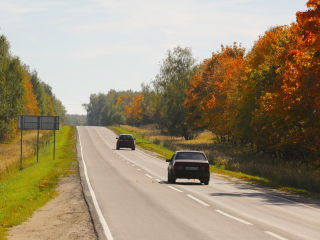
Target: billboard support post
[
  {"x": 38, "y": 140},
  {"x": 54, "y": 139},
  {"x": 21, "y": 144}
]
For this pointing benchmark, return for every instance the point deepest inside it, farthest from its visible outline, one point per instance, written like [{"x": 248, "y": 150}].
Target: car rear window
[
  {"x": 190, "y": 155},
  {"x": 126, "y": 137}
]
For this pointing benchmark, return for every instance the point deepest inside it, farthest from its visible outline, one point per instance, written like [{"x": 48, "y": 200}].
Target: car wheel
[
  {"x": 173, "y": 180},
  {"x": 118, "y": 148},
  {"x": 133, "y": 148},
  {"x": 169, "y": 179},
  {"x": 206, "y": 182}
]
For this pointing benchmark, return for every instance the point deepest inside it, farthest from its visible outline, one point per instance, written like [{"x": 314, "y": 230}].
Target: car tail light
[
  {"x": 120, "y": 140},
  {"x": 131, "y": 140},
  {"x": 178, "y": 167},
  {"x": 206, "y": 168}
]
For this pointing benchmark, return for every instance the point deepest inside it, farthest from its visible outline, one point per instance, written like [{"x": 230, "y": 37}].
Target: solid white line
[
  {"x": 104, "y": 224},
  {"x": 275, "y": 235},
  {"x": 175, "y": 189},
  {"x": 148, "y": 176},
  {"x": 238, "y": 219},
  {"x": 199, "y": 201}
]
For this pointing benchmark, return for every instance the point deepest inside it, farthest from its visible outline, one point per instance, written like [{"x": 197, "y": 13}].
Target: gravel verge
[{"x": 64, "y": 217}]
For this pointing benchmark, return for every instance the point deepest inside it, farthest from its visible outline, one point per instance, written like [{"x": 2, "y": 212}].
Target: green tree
[
  {"x": 118, "y": 118},
  {"x": 94, "y": 108},
  {"x": 11, "y": 87},
  {"x": 176, "y": 71},
  {"x": 78, "y": 121}
]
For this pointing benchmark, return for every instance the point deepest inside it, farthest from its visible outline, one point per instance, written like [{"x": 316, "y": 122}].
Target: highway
[{"x": 131, "y": 199}]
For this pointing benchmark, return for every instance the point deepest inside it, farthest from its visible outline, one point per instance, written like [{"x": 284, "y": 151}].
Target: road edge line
[{"x": 104, "y": 224}]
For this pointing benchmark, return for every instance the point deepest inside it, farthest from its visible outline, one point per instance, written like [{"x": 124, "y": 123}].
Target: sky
[{"x": 81, "y": 47}]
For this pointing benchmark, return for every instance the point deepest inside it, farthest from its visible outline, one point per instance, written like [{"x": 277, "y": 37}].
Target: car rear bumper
[
  {"x": 125, "y": 145},
  {"x": 191, "y": 174}
]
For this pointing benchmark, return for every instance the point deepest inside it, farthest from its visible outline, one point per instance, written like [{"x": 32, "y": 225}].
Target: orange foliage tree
[
  {"x": 30, "y": 102},
  {"x": 259, "y": 119},
  {"x": 124, "y": 100},
  {"x": 212, "y": 96},
  {"x": 49, "y": 107},
  {"x": 133, "y": 112}
]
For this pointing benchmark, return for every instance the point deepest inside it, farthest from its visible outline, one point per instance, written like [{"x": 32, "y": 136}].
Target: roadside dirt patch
[{"x": 64, "y": 217}]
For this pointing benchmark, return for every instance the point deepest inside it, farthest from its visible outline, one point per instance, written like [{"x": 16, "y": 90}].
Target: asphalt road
[{"x": 131, "y": 199}]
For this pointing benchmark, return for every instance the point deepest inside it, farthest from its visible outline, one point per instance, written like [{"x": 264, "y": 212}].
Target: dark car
[
  {"x": 189, "y": 165},
  {"x": 126, "y": 141}
]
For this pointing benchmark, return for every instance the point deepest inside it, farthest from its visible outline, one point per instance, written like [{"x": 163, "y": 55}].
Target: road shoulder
[{"x": 64, "y": 217}]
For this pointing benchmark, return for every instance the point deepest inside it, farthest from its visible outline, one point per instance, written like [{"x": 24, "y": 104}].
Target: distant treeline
[
  {"x": 107, "y": 109},
  {"x": 23, "y": 93},
  {"x": 76, "y": 119},
  {"x": 267, "y": 98}
]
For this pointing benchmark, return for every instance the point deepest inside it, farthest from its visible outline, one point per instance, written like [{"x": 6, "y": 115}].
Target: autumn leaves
[
  {"x": 22, "y": 93},
  {"x": 267, "y": 98}
]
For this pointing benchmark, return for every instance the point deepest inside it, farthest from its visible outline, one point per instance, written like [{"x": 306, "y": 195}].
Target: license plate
[{"x": 191, "y": 168}]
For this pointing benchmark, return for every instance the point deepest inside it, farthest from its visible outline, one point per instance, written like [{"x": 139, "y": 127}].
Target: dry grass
[
  {"x": 204, "y": 140},
  {"x": 10, "y": 151},
  {"x": 238, "y": 159}
]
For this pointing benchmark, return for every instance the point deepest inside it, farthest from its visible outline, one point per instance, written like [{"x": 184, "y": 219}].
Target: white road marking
[
  {"x": 235, "y": 218},
  {"x": 138, "y": 169},
  {"x": 175, "y": 189},
  {"x": 132, "y": 165},
  {"x": 104, "y": 224},
  {"x": 199, "y": 201},
  {"x": 148, "y": 176},
  {"x": 275, "y": 235},
  {"x": 158, "y": 180}
]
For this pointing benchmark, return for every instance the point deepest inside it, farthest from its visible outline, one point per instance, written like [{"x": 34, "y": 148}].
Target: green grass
[
  {"x": 35, "y": 185},
  {"x": 221, "y": 169},
  {"x": 163, "y": 152}
]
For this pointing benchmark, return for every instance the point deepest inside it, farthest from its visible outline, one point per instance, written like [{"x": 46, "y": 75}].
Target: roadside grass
[
  {"x": 33, "y": 186},
  {"x": 10, "y": 151},
  {"x": 234, "y": 162}
]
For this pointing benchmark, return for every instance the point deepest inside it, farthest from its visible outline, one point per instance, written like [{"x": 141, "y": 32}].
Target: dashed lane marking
[
  {"x": 175, "y": 189},
  {"x": 275, "y": 235},
  {"x": 148, "y": 176},
  {"x": 198, "y": 200},
  {"x": 235, "y": 218}
]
